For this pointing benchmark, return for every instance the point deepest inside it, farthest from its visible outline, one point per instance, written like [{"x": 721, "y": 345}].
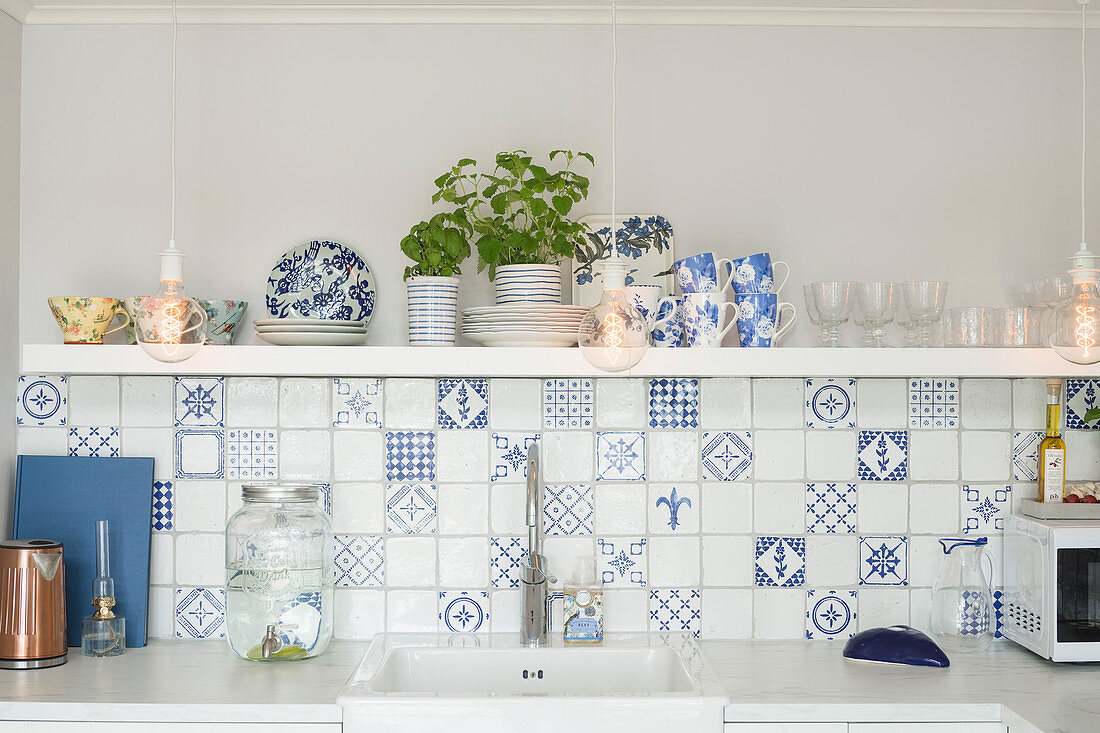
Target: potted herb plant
[
  {"x": 520, "y": 216},
  {"x": 436, "y": 247}
]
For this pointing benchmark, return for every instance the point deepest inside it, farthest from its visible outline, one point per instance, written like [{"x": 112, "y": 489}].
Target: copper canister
[{"x": 32, "y": 604}]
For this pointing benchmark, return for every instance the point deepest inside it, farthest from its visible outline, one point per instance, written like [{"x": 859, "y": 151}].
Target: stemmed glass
[
  {"x": 924, "y": 301},
  {"x": 811, "y": 309},
  {"x": 1052, "y": 292},
  {"x": 832, "y": 300},
  {"x": 877, "y": 302},
  {"x": 905, "y": 320}
]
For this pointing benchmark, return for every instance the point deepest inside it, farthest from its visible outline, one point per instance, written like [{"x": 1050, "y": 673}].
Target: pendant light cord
[
  {"x": 172, "y": 164},
  {"x": 1084, "y": 105},
  {"x": 614, "y": 136}
]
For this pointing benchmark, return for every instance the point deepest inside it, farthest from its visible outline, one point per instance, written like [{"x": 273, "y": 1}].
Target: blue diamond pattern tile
[
  {"x": 358, "y": 562},
  {"x": 506, "y": 557},
  {"x": 162, "y": 506},
  {"x": 200, "y": 613},
  {"x": 98, "y": 442},
  {"x": 999, "y": 608},
  {"x": 677, "y": 609},
  {"x": 1025, "y": 456},
  {"x": 199, "y": 401},
  {"x": 356, "y": 403},
  {"x": 1081, "y": 396},
  {"x": 831, "y": 614},
  {"x": 251, "y": 453},
  {"x": 727, "y": 456},
  {"x": 884, "y": 560},
  {"x": 42, "y": 401},
  {"x": 622, "y": 562},
  {"x": 508, "y": 456},
  {"x": 984, "y": 508},
  {"x": 463, "y": 612},
  {"x": 410, "y": 456},
  {"x": 567, "y": 509},
  {"x": 780, "y": 561},
  {"x": 883, "y": 455},
  {"x": 463, "y": 404},
  {"x": 933, "y": 404},
  {"x": 674, "y": 403},
  {"x": 620, "y": 456},
  {"x": 830, "y": 403},
  {"x": 830, "y": 508},
  {"x": 200, "y": 453},
  {"x": 567, "y": 403},
  {"x": 411, "y": 508}
]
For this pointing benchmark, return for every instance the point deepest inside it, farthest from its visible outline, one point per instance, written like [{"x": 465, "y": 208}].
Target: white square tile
[
  {"x": 357, "y": 508},
  {"x": 146, "y": 401},
  {"x": 779, "y": 613},
  {"x": 727, "y": 508},
  {"x": 1029, "y": 404},
  {"x": 356, "y": 403},
  {"x": 779, "y": 455},
  {"x": 882, "y": 403},
  {"x": 725, "y": 403},
  {"x": 728, "y": 560},
  {"x": 621, "y": 403},
  {"x": 54, "y": 441},
  {"x": 562, "y": 554},
  {"x": 567, "y": 456},
  {"x": 162, "y": 613},
  {"x": 358, "y": 455},
  {"x": 1083, "y": 450},
  {"x": 162, "y": 559},
  {"x": 619, "y": 509},
  {"x": 986, "y": 403},
  {"x": 673, "y": 456},
  {"x": 831, "y": 560},
  {"x": 508, "y": 509},
  {"x": 462, "y": 455},
  {"x": 831, "y": 454},
  {"x": 920, "y": 608},
  {"x": 986, "y": 456},
  {"x": 412, "y": 611},
  {"x": 252, "y": 401},
  {"x": 674, "y": 508},
  {"x": 410, "y": 562},
  {"x": 883, "y": 607},
  {"x": 505, "y": 613},
  {"x": 925, "y": 560},
  {"x": 464, "y": 562},
  {"x": 305, "y": 403},
  {"x": 934, "y": 509},
  {"x": 727, "y": 614},
  {"x": 252, "y": 454},
  {"x": 515, "y": 404},
  {"x": 198, "y": 506},
  {"x": 830, "y": 404},
  {"x": 933, "y": 455},
  {"x": 304, "y": 455},
  {"x": 200, "y": 559},
  {"x": 463, "y": 509},
  {"x": 883, "y": 508},
  {"x": 200, "y": 453},
  {"x": 626, "y": 610},
  {"x": 779, "y": 509},
  {"x": 778, "y": 403},
  {"x": 410, "y": 403},
  {"x": 358, "y": 614},
  {"x": 673, "y": 562},
  {"x": 42, "y": 401},
  {"x": 155, "y": 443},
  {"x": 93, "y": 401}
]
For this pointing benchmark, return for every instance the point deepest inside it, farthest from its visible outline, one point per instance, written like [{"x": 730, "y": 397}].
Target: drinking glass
[
  {"x": 905, "y": 320},
  {"x": 877, "y": 303},
  {"x": 925, "y": 300},
  {"x": 972, "y": 326},
  {"x": 1051, "y": 292},
  {"x": 1019, "y": 326},
  {"x": 832, "y": 301},
  {"x": 811, "y": 309},
  {"x": 1015, "y": 294}
]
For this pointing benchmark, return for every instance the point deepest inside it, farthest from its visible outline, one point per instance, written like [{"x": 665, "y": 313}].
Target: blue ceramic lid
[{"x": 895, "y": 645}]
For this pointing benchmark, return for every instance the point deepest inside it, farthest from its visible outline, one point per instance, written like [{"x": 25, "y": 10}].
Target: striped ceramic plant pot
[
  {"x": 433, "y": 308},
  {"x": 528, "y": 284}
]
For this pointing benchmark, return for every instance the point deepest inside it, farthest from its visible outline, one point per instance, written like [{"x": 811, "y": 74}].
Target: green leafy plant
[
  {"x": 438, "y": 246},
  {"x": 519, "y": 212},
  {"x": 1093, "y": 413}
]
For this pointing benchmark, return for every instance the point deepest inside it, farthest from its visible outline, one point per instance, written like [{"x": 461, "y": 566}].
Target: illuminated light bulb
[
  {"x": 614, "y": 335},
  {"x": 170, "y": 325},
  {"x": 1076, "y": 320}
]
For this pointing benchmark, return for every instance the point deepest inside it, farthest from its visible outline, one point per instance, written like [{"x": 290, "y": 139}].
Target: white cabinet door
[
  {"x": 786, "y": 728},
  {"x": 129, "y": 727},
  {"x": 927, "y": 728}
]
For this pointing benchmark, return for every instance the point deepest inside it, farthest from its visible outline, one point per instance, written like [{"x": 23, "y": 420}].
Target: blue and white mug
[
  {"x": 668, "y": 327},
  {"x": 703, "y": 319},
  {"x": 756, "y": 274},
  {"x": 647, "y": 299},
  {"x": 700, "y": 273},
  {"x": 759, "y": 320}
]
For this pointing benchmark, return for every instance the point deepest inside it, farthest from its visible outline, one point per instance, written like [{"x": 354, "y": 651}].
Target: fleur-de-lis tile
[
  {"x": 674, "y": 403},
  {"x": 356, "y": 403},
  {"x": 727, "y": 456},
  {"x": 620, "y": 456},
  {"x": 984, "y": 508},
  {"x": 199, "y": 401},
  {"x": 42, "y": 401},
  {"x": 463, "y": 612},
  {"x": 678, "y": 609},
  {"x": 674, "y": 508},
  {"x": 1025, "y": 456},
  {"x": 933, "y": 403},
  {"x": 884, "y": 560},
  {"x": 162, "y": 506},
  {"x": 567, "y": 509},
  {"x": 463, "y": 404},
  {"x": 780, "y": 561},
  {"x": 830, "y": 508},
  {"x": 830, "y": 403},
  {"x": 622, "y": 562},
  {"x": 200, "y": 613},
  {"x": 831, "y": 614},
  {"x": 883, "y": 455},
  {"x": 410, "y": 456},
  {"x": 508, "y": 456},
  {"x": 358, "y": 561},
  {"x": 567, "y": 403},
  {"x": 1081, "y": 396},
  {"x": 506, "y": 557},
  {"x": 411, "y": 508},
  {"x": 98, "y": 442}
]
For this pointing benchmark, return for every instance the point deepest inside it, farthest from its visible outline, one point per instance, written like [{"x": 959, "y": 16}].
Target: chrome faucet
[{"x": 533, "y": 622}]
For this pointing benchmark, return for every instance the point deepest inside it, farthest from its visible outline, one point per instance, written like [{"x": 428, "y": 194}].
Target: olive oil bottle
[{"x": 1052, "y": 451}]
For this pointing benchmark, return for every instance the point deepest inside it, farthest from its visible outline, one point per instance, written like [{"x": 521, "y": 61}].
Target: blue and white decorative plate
[{"x": 321, "y": 280}]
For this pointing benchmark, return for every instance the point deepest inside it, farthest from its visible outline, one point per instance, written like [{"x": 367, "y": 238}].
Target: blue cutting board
[{"x": 61, "y": 497}]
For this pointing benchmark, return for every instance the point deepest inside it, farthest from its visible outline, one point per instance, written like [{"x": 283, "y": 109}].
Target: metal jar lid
[{"x": 281, "y": 492}]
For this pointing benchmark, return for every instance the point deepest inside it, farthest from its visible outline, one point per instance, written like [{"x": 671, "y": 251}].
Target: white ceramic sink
[{"x": 484, "y": 683}]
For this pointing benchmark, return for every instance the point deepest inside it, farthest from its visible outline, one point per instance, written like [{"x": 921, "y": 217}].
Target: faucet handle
[{"x": 535, "y": 572}]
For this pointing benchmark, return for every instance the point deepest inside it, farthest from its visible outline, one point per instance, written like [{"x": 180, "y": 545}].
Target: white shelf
[{"x": 386, "y": 361}]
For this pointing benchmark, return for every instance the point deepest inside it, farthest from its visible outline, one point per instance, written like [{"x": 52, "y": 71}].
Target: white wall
[
  {"x": 852, "y": 153},
  {"x": 10, "y": 52}
]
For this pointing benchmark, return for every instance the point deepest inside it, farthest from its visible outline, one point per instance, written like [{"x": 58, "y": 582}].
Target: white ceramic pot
[
  {"x": 528, "y": 284},
  {"x": 433, "y": 309}
]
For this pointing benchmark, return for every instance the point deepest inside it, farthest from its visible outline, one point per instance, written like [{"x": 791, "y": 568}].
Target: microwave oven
[{"x": 1052, "y": 587}]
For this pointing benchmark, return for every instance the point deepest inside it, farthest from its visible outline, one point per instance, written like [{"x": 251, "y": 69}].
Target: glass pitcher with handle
[{"x": 963, "y": 618}]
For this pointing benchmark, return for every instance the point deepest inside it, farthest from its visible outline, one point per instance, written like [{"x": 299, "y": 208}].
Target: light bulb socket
[
  {"x": 1083, "y": 266},
  {"x": 614, "y": 274},
  {"x": 171, "y": 264}
]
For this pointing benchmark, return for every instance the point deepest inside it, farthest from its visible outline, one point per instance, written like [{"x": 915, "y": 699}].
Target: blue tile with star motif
[
  {"x": 830, "y": 403},
  {"x": 200, "y": 613},
  {"x": 463, "y": 612},
  {"x": 42, "y": 401},
  {"x": 831, "y": 614},
  {"x": 620, "y": 456},
  {"x": 727, "y": 455},
  {"x": 508, "y": 456},
  {"x": 984, "y": 508},
  {"x": 884, "y": 560},
  {"x": 622, "y": 562},
  {"x": 411, "y": 508},
  {"x": 199, "y": 401}
]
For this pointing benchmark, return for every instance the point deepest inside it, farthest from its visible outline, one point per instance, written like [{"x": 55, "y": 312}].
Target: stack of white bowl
[
  {"x": 523, "y": 324},
  {"x": 311, "y": 331}
]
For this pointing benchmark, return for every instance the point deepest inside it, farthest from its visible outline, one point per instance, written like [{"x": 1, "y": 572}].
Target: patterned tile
[
  {"x": 200, "y": 613},
  {"x": 463, "y": 612},
  {"x": 620, "y": 456},
  {"x": 780, "y": 561},
  {"x": 358, "y": 561},
  {"x": 42, "y": 401},
  {"x": 974, "y": 618},
  {"x": 883, "y": 455},
  {"x": 830, "y": 403},
  {"x": 326, "y": 497},
  {"x": 200, "y": 453},
  {"x": 506, "y": 557},
  {"x": 727, "y": 456},
  {"x": 830, "y": 508},
  {"x": 411, "y": 508},
  {"x": 251, "y": 453},
  {"x": 984, "y": 508},
  {"x": 831, "y": 614},
  {"x": 622, "y": 562},
  {"x": 676, "y": 610},
  {"x": 567, "y": 509},
  {"x": 884, "y": 560},
  {"x": 933, "y": 404},
  {"x": 999, "y": 608},
  {"x": 199, "y": 401},
  {"x": 674, "y": 403},
  {"x": 508, "y": 456},
  {"x": 1025, "y": 456},
  {"x": 410, "y": 456},
  {"x": 677, "y": 506},
  {"x": 567, "y": 403},
  {"x": 162, "y": 506},
  {"x": 463, "y": 404},
  {"x": 356, "y": 403},
  {"x": 95, "y": 442},
  {"x": 1081, "y": 396}
]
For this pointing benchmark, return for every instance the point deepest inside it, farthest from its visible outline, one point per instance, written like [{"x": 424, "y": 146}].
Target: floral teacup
[
  {"x": 84, "y": 320},
  {"x": 225, "y": 316}
]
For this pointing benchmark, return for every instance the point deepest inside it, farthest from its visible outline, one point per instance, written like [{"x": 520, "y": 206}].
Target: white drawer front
[
  {"x": 927, "y": 728},
  {"x": 786, "y": 728}
]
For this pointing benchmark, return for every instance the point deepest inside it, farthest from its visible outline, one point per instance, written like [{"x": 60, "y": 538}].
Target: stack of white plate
[
  {"x": 523, "y": 324},
  {"x": 311, "y": 331}
]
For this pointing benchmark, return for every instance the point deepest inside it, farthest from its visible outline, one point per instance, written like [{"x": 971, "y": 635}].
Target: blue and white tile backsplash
[{"x": 730, "y": 508}]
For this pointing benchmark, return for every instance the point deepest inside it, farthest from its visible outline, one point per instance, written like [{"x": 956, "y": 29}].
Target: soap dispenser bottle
[{"x": 583, "y": 606}]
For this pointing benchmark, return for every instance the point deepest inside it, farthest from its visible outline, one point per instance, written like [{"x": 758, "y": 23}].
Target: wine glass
[
  {"x": 877, "y": 302},
  {"x": 925, "y": 300},
  {"x": 832, "y": 301}
]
